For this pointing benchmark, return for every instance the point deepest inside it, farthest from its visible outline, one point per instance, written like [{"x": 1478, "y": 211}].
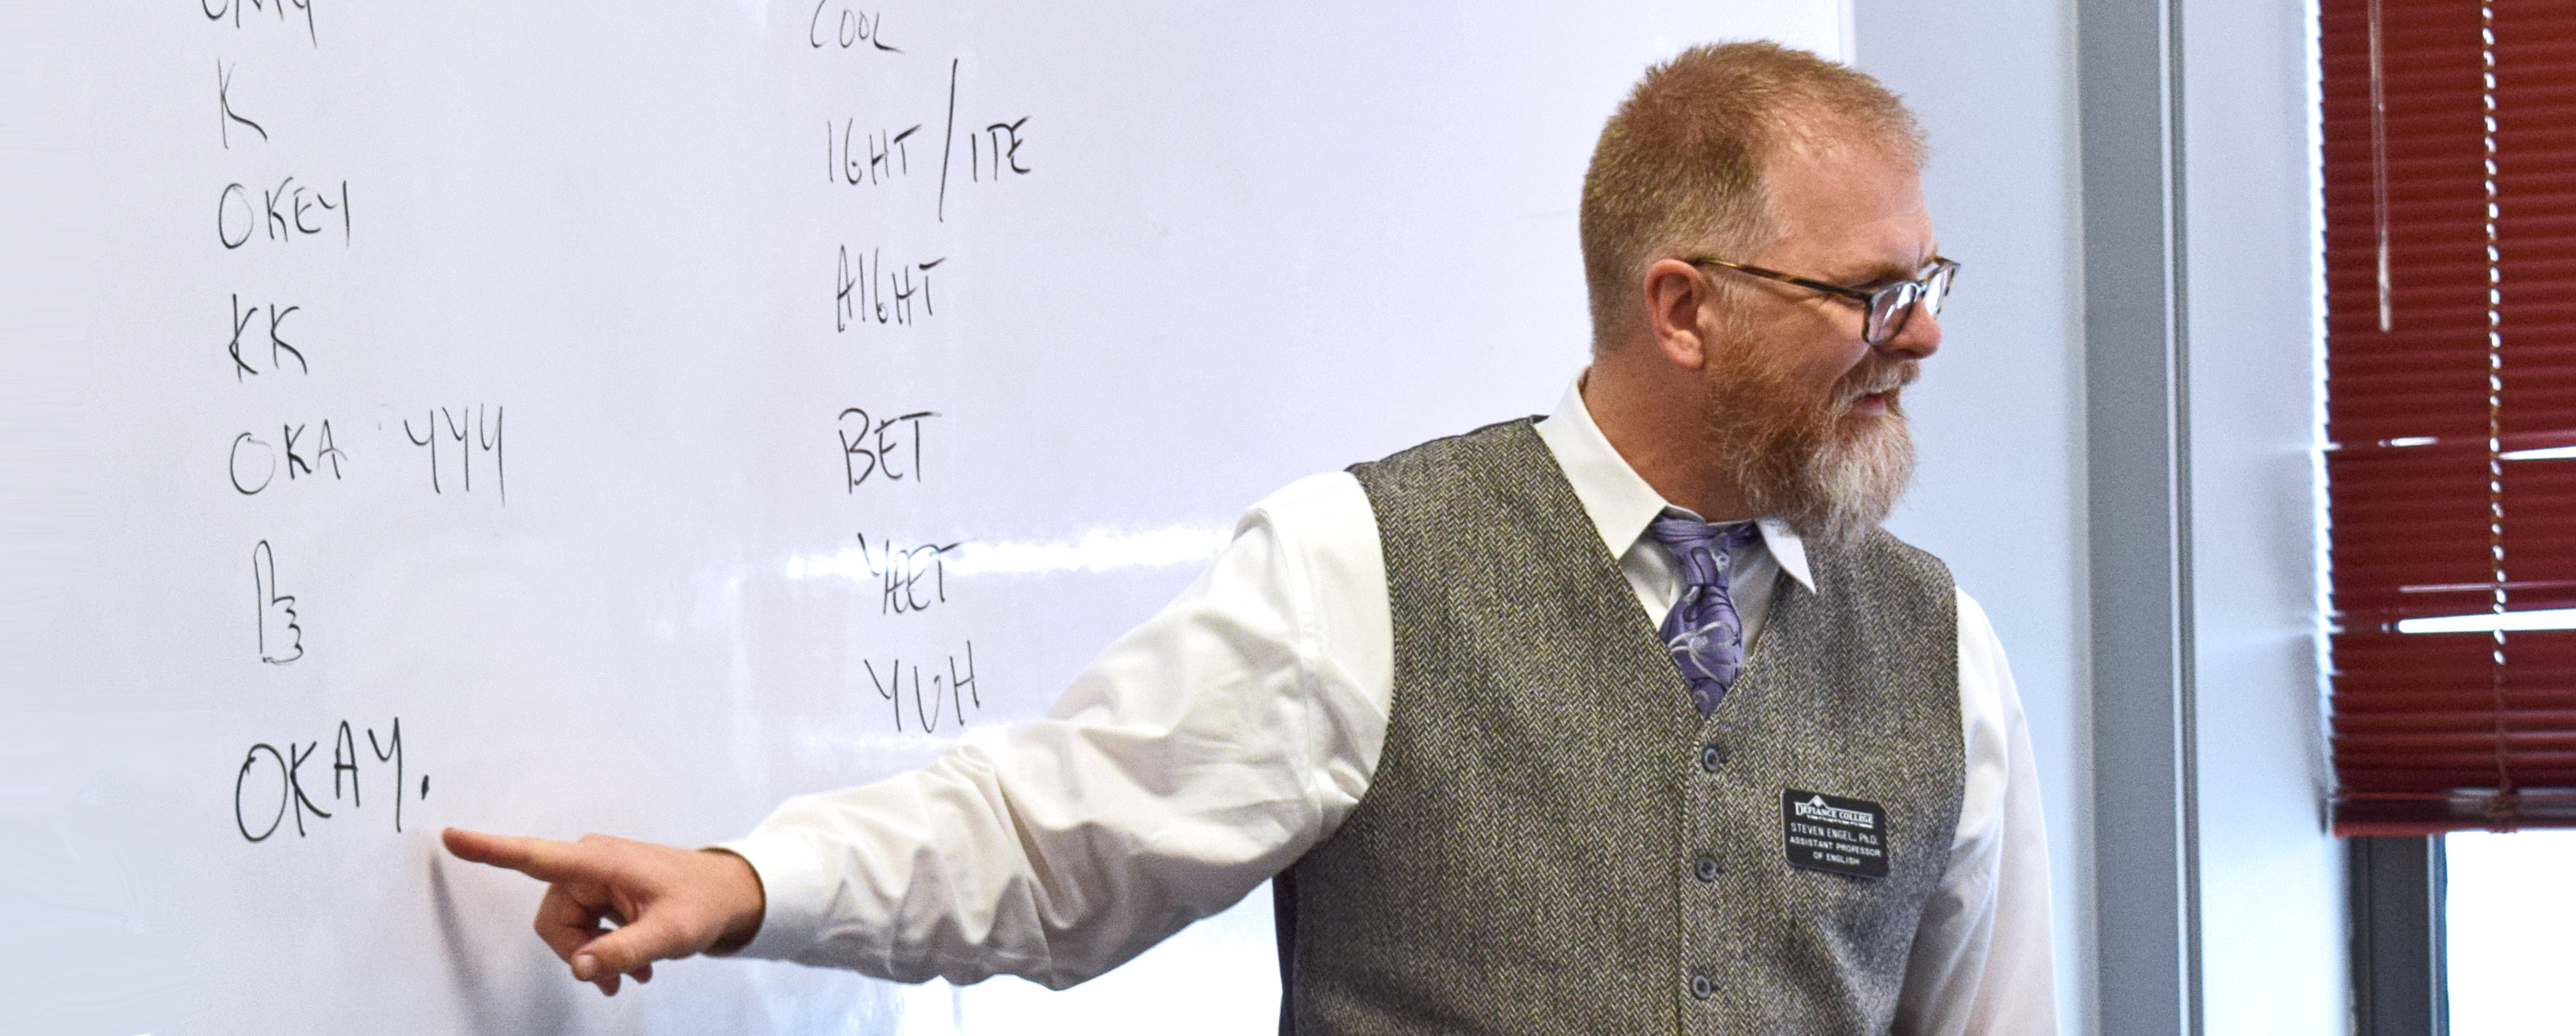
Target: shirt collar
[{"x": 1619, "y": 501}]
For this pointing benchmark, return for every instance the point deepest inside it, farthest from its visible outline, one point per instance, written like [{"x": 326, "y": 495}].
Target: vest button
[
  {"x": 1711, "y": 757},
  {"x": 1702, "y": 988},
  {"x": 1707, "y": 869}
]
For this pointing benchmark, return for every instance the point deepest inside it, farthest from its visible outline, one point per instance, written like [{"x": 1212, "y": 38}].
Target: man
[{"x": 1486, "y": 708}]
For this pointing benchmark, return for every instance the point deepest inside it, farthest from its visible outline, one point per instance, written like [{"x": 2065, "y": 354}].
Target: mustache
[{"x": 1874, "y": 378}]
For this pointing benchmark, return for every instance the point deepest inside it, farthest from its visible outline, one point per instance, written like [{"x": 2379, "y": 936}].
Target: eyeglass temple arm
[{"x": 1785, "y": 278}]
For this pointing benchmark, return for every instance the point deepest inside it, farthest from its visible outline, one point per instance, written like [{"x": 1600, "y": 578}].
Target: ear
[{"x": 1676, "y": 297}]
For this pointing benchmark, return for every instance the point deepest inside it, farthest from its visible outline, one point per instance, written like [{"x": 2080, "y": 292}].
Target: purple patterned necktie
[{"x": 1703, "y": 632}]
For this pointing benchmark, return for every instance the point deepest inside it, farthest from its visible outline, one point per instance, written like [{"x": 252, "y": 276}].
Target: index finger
[{"x": 539, "y": 858}]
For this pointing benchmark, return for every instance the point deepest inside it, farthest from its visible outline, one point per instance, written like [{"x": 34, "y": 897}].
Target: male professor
[{"x": 1629, "y": 719}]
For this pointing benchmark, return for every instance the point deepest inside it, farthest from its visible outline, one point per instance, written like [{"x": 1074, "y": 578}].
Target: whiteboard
[{"x": 555, "y": 417}]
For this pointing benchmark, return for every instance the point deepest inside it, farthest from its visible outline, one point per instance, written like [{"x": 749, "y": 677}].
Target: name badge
[{"x": 1833, "y": 834}]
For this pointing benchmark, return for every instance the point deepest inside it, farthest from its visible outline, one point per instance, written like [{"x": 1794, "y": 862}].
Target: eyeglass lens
[{"x": 1891, "y": 305}]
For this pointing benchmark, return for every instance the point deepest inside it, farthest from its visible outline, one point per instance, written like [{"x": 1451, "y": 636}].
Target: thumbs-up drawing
[{"x": 281, "y": 639}]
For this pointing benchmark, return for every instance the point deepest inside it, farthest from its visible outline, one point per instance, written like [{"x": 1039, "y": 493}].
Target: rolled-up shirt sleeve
[{"x": 1202, "y": 753}]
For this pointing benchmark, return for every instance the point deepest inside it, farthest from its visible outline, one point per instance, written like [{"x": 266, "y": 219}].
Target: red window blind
[{"x": 2450, "y": 241}]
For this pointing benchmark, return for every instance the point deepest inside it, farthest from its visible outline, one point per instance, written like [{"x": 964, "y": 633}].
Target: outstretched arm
[
  {"x": 664, "y": 902},
  {"x": 1199, "y": 755}
]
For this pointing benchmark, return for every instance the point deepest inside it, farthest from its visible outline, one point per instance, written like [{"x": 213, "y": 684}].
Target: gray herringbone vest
[{"x": 1535, "y": 850}]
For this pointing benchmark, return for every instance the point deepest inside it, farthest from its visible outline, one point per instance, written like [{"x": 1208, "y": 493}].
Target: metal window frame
[
  {"x": 2400, "y": 980},
  {"x": 2137, "y": 391}
]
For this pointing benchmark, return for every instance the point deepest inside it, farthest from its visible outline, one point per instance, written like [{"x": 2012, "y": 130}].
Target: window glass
[{"x": 2511, "y": 938}]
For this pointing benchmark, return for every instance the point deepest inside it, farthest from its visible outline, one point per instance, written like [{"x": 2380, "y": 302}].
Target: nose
[{"x": 1920, "y": 337}]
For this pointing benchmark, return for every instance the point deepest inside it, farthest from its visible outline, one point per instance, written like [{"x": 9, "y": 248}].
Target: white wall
[
  {"x": 1999, "y": 414},
  {"x": 2271, "y": 880}
]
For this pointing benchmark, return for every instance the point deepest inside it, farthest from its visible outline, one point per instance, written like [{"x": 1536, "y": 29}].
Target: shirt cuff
[{"x": 795, "y": 889}]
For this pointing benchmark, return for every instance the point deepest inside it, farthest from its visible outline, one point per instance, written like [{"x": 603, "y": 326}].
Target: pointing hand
[{"x": 663, "y": 902}]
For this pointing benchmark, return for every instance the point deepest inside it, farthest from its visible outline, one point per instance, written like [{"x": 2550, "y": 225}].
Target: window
[
  {"x": 2449, "y": 131},
  {"x": 2508, "y": 916}
]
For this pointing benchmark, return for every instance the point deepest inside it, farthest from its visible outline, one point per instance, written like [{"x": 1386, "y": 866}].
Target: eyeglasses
[{"x": 1887, "y": 305}]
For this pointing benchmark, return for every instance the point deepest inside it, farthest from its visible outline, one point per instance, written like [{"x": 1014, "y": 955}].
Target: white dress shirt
[{"x": 1213, "y": 745}]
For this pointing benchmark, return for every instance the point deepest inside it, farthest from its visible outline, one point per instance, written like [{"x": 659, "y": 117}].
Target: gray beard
[
  {"x": 1843, "y": 489},
  {"x": 1830, "y": 482}
]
